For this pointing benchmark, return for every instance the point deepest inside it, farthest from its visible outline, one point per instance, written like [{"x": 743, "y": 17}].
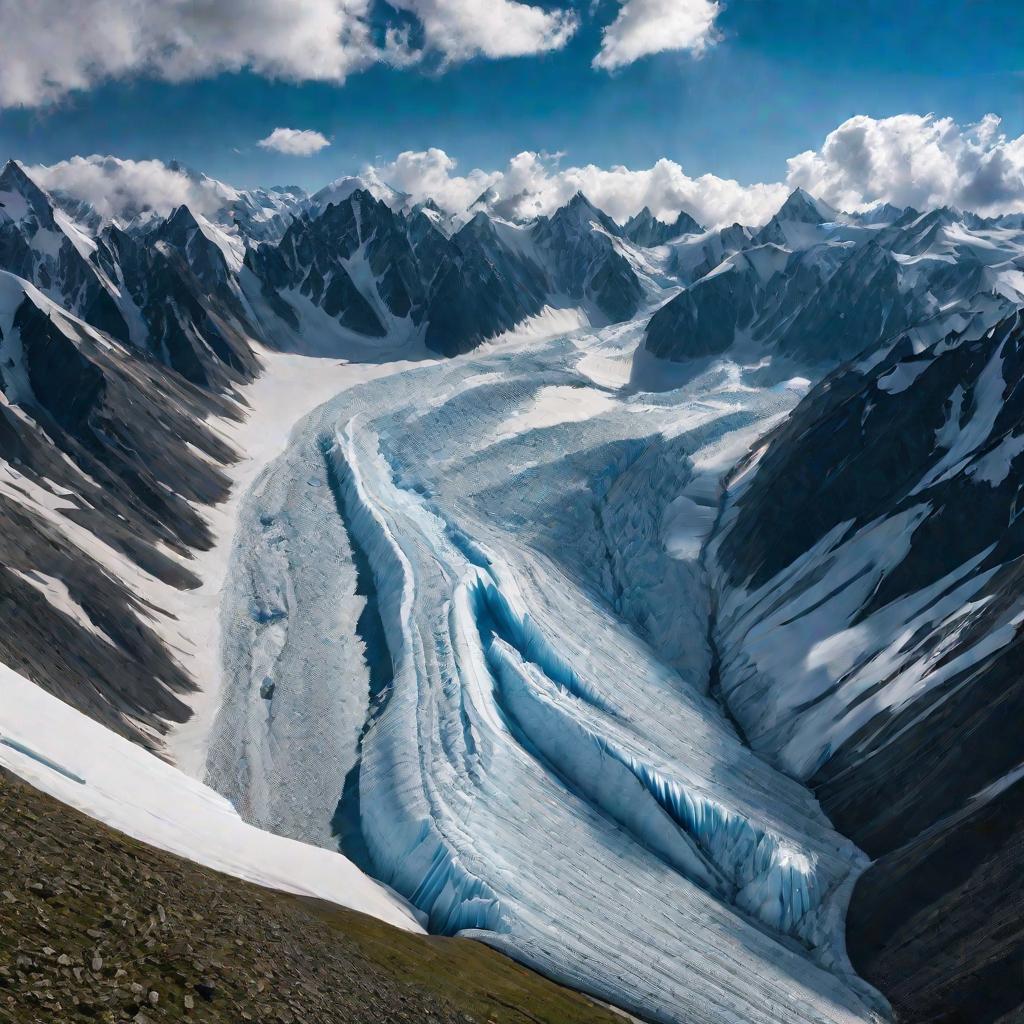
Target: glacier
[{"x": 465, "y": 639}]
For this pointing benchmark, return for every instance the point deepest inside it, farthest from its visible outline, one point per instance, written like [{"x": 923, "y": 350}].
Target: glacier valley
[
  {"x": 641, "y": 599},
  {"x": 450, "y": 604}
]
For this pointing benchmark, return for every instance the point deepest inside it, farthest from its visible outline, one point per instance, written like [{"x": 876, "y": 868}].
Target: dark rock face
[
  {"x": 314, "y": 258},
  {"x": 461, "y": 289},
  {"x": 752, "y": 294},
  {"x": 821, "y": 290},
  {"x": 585, "y": 263},
  {"x": 954, "y": 951},
  {"x": 188, "y": 300},
  {"x": 484, "y": 287},
  {"x": 704, "y": 319},
  {"x": 120, "y": 442},
  {"x": 171, "y": 282},
  {"x": 644, "y": 229},
  {"x": 861, "y": 304},
  {"x": 925, "y": 705}
]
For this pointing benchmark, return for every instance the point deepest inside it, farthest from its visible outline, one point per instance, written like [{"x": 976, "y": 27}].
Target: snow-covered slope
[
  {"x": 67, "y": 755},
  {"x": 105, "y": 460}
]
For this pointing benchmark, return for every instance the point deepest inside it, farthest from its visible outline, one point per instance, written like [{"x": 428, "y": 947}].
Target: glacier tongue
[{"x": 489, "y": 665}]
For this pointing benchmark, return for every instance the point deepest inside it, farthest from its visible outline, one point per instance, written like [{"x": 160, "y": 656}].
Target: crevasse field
[{"x": 469, "y": 598}]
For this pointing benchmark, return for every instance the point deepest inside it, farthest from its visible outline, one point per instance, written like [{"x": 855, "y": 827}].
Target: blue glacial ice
[{"x": 487, "y": 636}]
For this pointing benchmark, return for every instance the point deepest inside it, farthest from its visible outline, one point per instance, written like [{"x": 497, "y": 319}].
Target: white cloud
[
  {"x": 908, "y": 160},
  {"x": 532, "y": 183},
  {"x": 295, "y": 141},
  {"x": 643, "y": 27},
  {"x": 121, "y": 188},
  {"x": 49, "y": 48},
  {"x": 461, "y": 29},
  {"x": 915, "y": 160}
]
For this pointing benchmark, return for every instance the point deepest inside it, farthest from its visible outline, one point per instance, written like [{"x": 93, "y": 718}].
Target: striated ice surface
[{"x": 466, "y": 639}]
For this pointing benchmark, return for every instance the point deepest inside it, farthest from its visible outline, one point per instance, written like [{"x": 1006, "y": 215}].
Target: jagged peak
[
  {"x": 881, "y": 212},
  {"x": 486, "y": 198},
  {"x": 14, "y": 176},
  {"x": 479, "y": 226},
  {"x": 643, "y": 217},
  {"x": 688, "y": 222},
  {"x": 800, "y": 205},
  {"x": 580, "y": 201},
  {"x": 14, "y": 180},
  {"x": 366, "y": 197},
  {"x": 179, "y": 222},
  {"x": 944, "y": 215},
  {"x": 735, "y": 234},
  {"x": 581, "y": 210}
]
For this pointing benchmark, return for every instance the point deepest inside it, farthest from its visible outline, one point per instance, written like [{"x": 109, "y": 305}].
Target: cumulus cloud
[
  {"x": 294, "y": 141},
  {"x": 643, "y": 27},
  {"x": 49, "y": 48},
  {"x": 461, "y": 29},
  {"x": 533, "y": 183},
  {"x": 122, "y": 188},
  {"x": 908, "y": 160},
  {"x": 915, "y": 160}
]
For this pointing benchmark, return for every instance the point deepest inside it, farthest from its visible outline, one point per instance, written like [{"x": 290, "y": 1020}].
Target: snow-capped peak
[
  {"x": 581, "y": 212},
  {"x": 342, "y": 188},
  {"x": 881, "y": 213},
  {"x": 21, "y": 197},
  {"x": 802, "y": 207}
]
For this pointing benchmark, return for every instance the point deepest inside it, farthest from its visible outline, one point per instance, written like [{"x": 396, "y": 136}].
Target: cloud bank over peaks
[
  {"x": 533, "y": 184},
  {"x": 120, "y": 189},
  {"x": 918, "y": 160},
  {"x": 915, "y": 160}
]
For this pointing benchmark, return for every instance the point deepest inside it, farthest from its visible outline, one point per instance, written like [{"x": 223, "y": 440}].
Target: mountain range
[{"x": 776, "y": 466}]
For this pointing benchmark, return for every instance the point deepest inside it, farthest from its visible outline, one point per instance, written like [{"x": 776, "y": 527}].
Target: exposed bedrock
[{"x": 869, "y": 583}]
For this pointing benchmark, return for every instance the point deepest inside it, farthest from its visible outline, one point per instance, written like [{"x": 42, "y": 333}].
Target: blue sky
[{"x": 783, "y": 74}]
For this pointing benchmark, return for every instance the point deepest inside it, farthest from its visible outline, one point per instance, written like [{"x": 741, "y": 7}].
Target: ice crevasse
[{"x": 477, "y": 680}]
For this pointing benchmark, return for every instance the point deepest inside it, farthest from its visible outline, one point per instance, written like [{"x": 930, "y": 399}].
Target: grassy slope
[{"x": 92, "y": 923}]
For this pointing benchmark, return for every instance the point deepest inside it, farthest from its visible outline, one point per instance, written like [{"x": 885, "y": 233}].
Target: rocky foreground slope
[{"x": 97, "y": 927}]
